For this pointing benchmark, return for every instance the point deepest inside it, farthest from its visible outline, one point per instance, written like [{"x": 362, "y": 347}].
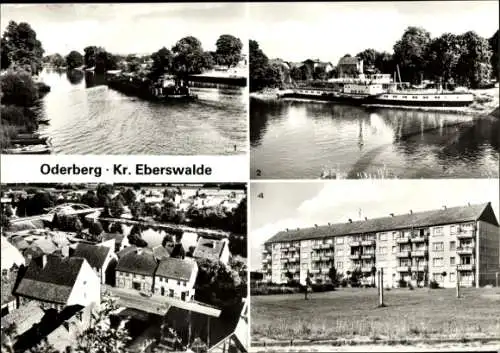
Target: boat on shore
[
  {"x": 29, "y": 139},
  {"x": 32, "y": 149},
  {"x": 380, "y": 90}
]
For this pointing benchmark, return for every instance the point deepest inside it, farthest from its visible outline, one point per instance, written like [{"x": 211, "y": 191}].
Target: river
[
  {"x": 299, "y": 139},
  {"x": 86, "y": 117}
]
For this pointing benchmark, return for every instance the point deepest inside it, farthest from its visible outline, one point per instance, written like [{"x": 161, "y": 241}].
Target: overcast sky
[
  {"x": 303, "y": 204},
  {"x": 127, "y": 28},
  {"x": 328, "y": 30}
]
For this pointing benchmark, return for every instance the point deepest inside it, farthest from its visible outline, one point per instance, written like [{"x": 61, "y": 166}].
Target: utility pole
[
  {"x": 458, "y": 283},
  {"x": 381, "y": 288},
  {"x": 496, "y": 277}
]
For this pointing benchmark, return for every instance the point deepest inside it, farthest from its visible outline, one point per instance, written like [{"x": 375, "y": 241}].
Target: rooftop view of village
[{"x": 163, "y": 265}]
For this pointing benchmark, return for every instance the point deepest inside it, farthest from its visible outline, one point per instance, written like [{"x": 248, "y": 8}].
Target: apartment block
[{"x": 445, "y": 245}]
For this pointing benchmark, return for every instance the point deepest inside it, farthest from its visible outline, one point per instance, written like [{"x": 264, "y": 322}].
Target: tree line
[{"x": 466, "y": 59}]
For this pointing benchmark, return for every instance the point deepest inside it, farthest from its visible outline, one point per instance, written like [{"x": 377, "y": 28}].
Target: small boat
[
  {"x": 29, "y": 140},
  {"x": 33, "y": 149}
]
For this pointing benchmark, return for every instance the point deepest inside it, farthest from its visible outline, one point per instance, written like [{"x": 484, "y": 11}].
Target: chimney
[
  {"x": 286, "y": 229},
  {"x": 444, "y": 207},
  {"x": 411, "y": 211},
  {"x": 350, "y": 220},
  {"x": 315, "y": 226},
  {"x": 366, "y": 218},
  {"x": 392, "y": 214}
]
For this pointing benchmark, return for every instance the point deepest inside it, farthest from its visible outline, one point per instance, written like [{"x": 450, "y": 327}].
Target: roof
[
  {"x": 176, "y": 268},
  {"x": 416, "y": 219},
  {"x": 178, "y": 251},
  {"x": 209, "y": 249},
  {"x": 46, "y": 245},
  {"x": 161, "y": 252},
  {"x": 141, "y": 261},
  {"x": 349, "y": 60},
  {"x": 53, "y": 282},
  {"x": 24, "y": 317},
  {"x": 95, "y": 255},
  {"x": 118, "y": 237}
]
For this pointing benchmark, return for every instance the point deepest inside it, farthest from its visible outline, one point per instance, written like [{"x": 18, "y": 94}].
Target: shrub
[
  {"x": 434, "y": 284},
  {"x": 343, "y": 283},
  {"x": 95, "y": 228},
  {"x": 402, "y": 283},
  {"x": 20, "y": 117},
  {"x": 18, "y": 88},
  {"x": 410, "y": 286}
]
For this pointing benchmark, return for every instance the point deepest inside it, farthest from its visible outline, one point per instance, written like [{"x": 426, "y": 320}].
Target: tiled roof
[
  {"x": 53, "y": 282},
  {"x": 161, "y": 252},
  {"x": 416, "y": 219},
  {"x": 142, "y": 263},
  {"x": 209, "y": 249},
  {"x": 95, "y": 255},
  {"x": 176, "y": 268},
  {"x": 349, "y": 60}
]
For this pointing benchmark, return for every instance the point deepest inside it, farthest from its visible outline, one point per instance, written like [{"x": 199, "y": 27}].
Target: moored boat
[{"x": 33, "y": 149}]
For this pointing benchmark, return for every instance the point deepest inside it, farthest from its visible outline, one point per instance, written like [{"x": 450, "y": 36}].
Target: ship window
[
  {"x": 394, "y": 96},
  {"x": 436, "y": 97},
  {"x": 414, "y": 97},
  {"x": 405, "y": 97},
  {"x": 425, "y": 97}
]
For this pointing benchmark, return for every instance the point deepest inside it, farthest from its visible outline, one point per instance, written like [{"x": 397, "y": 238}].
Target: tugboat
[{"x": 169, "y": 89}]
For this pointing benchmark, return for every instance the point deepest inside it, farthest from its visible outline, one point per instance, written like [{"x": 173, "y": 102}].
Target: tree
[
  {"x": 43, "y": 347},
  {"x": 18, "y": 88},
  {"x": 443, "y": 55},
  {"x": 9, "y": 333},
  {"x": 369, "y": 57},
  {"x": 90, "y": 54},
  {"x": 90, "y": 199},
  {"x": 319, "y": 73},
  {"x": 57, "y": 60},
  {"x": 228, "y": 50},
  {"x": 117, "y": 208},
  {"x": 74, "y": 59},
  {"x": 333, "y": 275},
  {"x": 20, "y": 47},
  {"x": 296, "y": 74},
  {"x": 410, "y": 53},
  {"x": 102, "y": 336},
  {"x": 259, "y": 64},
  {"x": 188, "y": 58},
  {"x": 473, "y": 66},
  {"x": 129, "y": 196},
  {"x": 495, "y": 60},
  {"x": 162, "y": 62},
  {"x": 95, "y": 229},
  {"x": 384, "y": 62}
]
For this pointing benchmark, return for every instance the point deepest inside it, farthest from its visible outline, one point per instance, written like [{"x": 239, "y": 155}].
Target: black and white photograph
[
  {"x": 375, "y": 265},
  {"x": 141, "y": 79},
  {"x": 357, "y": 90},
  {"x": 124, "y": 268}
]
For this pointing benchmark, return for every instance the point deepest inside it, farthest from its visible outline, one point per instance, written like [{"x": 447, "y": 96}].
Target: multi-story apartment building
[{"x": 441, "y": 245}]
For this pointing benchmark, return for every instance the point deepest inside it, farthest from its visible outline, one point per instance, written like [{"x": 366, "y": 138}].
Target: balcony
[
  {"x": 367, "y": 269},
  {"x": 368, "y": 256},
  {"x": 326, "y": 258},
  {"x": 403, "y": 269},
  {"x": 355, "y": 256},
  {"x": 316, "y": 247},
  {"x": 421, "y": 268},
  {"x": 466, "y": 267},
  {"x": 314, "y": 271},
  {"x": 403, "y": 254},
  {"x": 355, "y": 244},
  {"x": 295, "y": 259},
  {"x": 465, "y": 250},
  {"x": 419, "y": 239},
  {"x": 465, "y": 234},
  {"x": 326, "y": 246},
  {"x": 285, "y": 259},
  {"x": 368, "y": 242},
  {"x": 316, "y": 259},
  {"x": 403, "y": 240},
  {"x": 419, "y": 253}
]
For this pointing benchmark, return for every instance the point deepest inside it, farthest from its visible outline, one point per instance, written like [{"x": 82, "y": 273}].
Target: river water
[
  {"x": 299, "y": 139},
  {"x": 86, "y": 117}
]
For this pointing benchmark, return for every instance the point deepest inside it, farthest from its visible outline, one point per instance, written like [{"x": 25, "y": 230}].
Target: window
[
  {"x": 382, "y": 250},
  {"x": 438, "y": 231},
  {"x": 453, "y": 229},
  {"x": 452, "y": 261},
  {"x": 452, "y": 276},
  {"x": 339, "y": 240},
  {"x": 438, "y": 277},
  {"x": 383, "y": 236},
  {"x": 338, "y": 251},
  {"x": 453, "y": 246},
  {"x": 394, "y": 235},
  {"x": 394, "y": 249},
  {"x": 437, "y": 261},
  {"x": 438, "y": 246},
  {"x": 340, "y": 265}
]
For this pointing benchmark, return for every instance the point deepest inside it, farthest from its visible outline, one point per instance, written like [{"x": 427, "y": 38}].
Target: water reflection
[
  {"x": 74, "y": 76},
  {"x": 294, "y": 139},
  {"x": 94, "y": 80}
]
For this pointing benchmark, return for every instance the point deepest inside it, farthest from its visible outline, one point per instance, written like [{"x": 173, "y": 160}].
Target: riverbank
[{"x": 486, "y": 102}]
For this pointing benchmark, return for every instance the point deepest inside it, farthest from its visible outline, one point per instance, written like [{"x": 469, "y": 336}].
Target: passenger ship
[{"x": 380, "y": 90}]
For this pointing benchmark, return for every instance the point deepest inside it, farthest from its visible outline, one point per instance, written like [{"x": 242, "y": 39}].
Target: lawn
[{"x": 353, "y": 313}]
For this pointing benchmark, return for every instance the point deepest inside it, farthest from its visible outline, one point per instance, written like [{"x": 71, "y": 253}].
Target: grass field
[{"x": 353, "y": 313}]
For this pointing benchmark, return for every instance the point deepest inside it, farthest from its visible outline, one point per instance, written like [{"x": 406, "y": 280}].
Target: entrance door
[
  {"x": 162, "y": 291},
  {"x": 183, "y": 296},
  {"x": 136, "y": 285}
]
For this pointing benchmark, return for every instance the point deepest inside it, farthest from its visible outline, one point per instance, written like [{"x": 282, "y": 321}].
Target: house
[
  {"x": 121, "y": 241},
  {"x": 136, "y": 270},
  {"x": 102, "y": 259},
  {"x": 57, "y": 282},
  {"x": 176, "y": 278},
  {"x": 24, "y": 317},
  {"x": 349, "y": 66},
  {"x": 212, "y": 249}
]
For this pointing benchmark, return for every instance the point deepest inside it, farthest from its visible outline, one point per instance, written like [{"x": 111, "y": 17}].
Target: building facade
[
  {"x": 459, "y": 243},
  {"x": 175, "y": 278},
  {"x": 135, "y": 270}
]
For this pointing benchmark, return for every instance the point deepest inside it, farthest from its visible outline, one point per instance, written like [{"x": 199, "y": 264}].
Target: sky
[
  {"x": 127, "y": 28},
  {"x": 304, "y": 204},
  {"x": 297, "y": 31}
]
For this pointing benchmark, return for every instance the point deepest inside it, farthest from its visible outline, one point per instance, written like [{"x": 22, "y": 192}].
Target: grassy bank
[{"x": 350, "y": 313}]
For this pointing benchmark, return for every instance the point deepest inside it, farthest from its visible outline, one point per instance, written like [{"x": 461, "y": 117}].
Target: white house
[
  {"x": 175, "y": 278},
  {"x": 213, "y": 249},
  {"x": 57, "y": 282}
]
